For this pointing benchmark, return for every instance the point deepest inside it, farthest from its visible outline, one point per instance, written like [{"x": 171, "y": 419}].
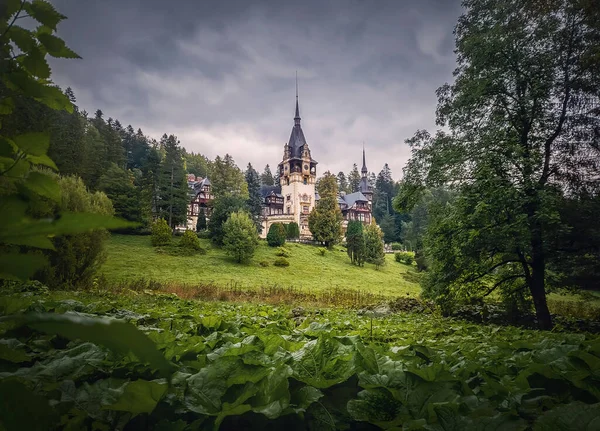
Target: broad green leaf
[
  {"x": 22, "y": 38},
  {"x": 575, "y": 416},
  {"x": 117, "y": 335},
  {"x": 140, "y": 396},
  {"x": 35, "y": 62},
  {"x": 7, "y": 105},
  {"x": 12, "y": 7},
  {"x": 20, "y": 266},
  {"x": 43, "y": 160},
  {"x": 56, "y": 46},
  {"x": 44, "y": 12},
  {"x": 41, "y": 241},
  {"x": 33, "y": 143},
  {"x": 43, "y": 185},
  {"x": 12, "y": 351},
  {"x": 22, "y": 409},
  {"x": 7, "y": 147},
  {"x": 54, "y": 98}
]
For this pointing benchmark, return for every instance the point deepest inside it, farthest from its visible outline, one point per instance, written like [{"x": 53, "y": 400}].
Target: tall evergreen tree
[
  {"x": 254, "y": 197},
  {"x": 354, "y": 179},
  {"x": 119, "y": 186},
  {"x": 201, "y": 222},
  {"x": 266, "y": 178},
  {"x": 342, "y": 182},
  {"x": 355, "y": 242},
  {"x": 196, "y": 164},
  {"x": 325, "y": 220},
  {"x": 174, "y": 195},
  {"x": 383, "y": 194},
  {"x": 151, "y": 174},
  {"x": 374, "y": 252},
  {"x": 227, "y": 178}
]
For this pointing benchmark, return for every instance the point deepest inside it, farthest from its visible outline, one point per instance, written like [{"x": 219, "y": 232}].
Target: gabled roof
[
  {"x": 270, "y": 190},
  {"x": 352, "y": 198}
]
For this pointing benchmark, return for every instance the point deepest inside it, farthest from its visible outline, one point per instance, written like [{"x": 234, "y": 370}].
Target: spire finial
[
  {"x": 297, "y": 117},
  {"x": 364, "y": 169}
]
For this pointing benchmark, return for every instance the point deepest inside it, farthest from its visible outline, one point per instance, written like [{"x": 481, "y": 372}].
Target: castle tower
[
  {"x": 298, "y": 175},
  {"x": 365, "y": 188}
]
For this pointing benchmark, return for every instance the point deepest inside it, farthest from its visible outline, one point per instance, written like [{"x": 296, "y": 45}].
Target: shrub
[
  {"x": 264, "y": 263},
  {"x": 161, "y": 233},
  {"x": 283, "y": 252},
  {"x": 76, "y": 258},
  {"x": 204, "y": 234},
  {"x": 406, "y": 257},
  {"x": 421, "y": 260},
  {"x": 374, "y": 245},
  {"x": 396, "y": 246},
  {"x": 293, "y": 231},
  {"x": 190, "y": 241},
  {"x": 277, "y": 234},
  {"x": 201, "y": 222},
  {"x": 281, "y": 261},
  {"x": 240, "y": 238},
  {"x": 322, "y": 251}
]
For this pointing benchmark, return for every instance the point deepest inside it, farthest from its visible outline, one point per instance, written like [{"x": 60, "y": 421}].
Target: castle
[{"x": 295, "y": 196}]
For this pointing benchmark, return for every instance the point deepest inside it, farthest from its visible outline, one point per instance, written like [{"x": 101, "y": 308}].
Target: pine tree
[
  {"x": 151, "y": 184},
  {"x": 119, "y": 187},
  {"x": 223, "y": 207},
  {"x": 354, "y": 179},
  {"x": 342, "y": 182},
  {"x": 325, "y": 220},
  {"x": 239, "y": 236},
  {"x": 266, "y": 178},
  {"x": 383, "y": 193},
  {"x": 254, "y": 197},
  {"x": 173, "y": 195},
  {"x": 227, "y": 178}
]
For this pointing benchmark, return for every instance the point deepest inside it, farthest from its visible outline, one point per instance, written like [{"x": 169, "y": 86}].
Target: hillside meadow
[{"x": 132, "y": 258}]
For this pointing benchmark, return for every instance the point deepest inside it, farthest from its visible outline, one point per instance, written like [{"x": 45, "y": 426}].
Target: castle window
[
  {"x": 288, "y": 210},
  {"x": 288, "y": 197},
  {"x": 305, "y": 180},
  {"x": 305, "y": 208}
]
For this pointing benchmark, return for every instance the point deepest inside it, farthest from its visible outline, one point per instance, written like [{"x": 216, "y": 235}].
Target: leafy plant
[
  {"x": 406, "y": 257},
  {"x": 293, "y": 231},
  {"x": 189, "y": 240},
  {"x": 322, "y": 251},
  {"x": 276, "y": 235},
  {"x": 240, "y": 237},
  {"x": 281, "y": 261},
  {"x": 282, "y": 252},
  {"x": 161, "y": 233}
]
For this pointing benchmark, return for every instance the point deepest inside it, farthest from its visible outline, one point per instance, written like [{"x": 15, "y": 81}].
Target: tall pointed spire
[
  {"x": 297, "y": 117},
  {"x": 364, "y": 169}
]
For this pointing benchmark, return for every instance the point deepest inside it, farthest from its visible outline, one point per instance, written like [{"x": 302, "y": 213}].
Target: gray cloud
[{"x": 220, "y": 75}]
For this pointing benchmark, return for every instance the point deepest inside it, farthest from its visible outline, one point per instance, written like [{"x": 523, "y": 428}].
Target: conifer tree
[
  {"x": 266, "y": 178},
  {"x": 173, "y": 194},
  {"x": 239, "y": 236},
  {"x": 374, "y": 252},
  {"x": 325, "y": 220},
  {"x": 353, "y": 179},
  {"x": 355, "y": 242},
  {"x": 342, "y": 182},
  {"x": 254, "y": 201},
  {"x": 201, "y": 223}
]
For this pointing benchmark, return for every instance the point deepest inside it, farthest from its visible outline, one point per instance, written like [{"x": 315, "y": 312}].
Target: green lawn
[{"x": 133, "y": 257}]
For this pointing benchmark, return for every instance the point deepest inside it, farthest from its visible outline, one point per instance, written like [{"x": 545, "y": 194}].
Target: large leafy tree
[
  {"x": 240, "y": 238},
  {"x": 223, "y": 207},
  {"x": 254, "y": 197},
  {"x": 355, "y": 242},
  {"x": 325, "y": 220},
  {"x": 522, "y": 120}
]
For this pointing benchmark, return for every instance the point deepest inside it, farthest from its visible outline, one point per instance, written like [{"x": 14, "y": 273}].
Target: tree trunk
[{"x": 537, "y": 280}]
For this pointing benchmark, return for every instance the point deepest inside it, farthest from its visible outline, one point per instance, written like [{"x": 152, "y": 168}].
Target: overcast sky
[{"x": 221, "y": 74}]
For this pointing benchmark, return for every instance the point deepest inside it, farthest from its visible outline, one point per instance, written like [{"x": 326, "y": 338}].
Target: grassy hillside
[{"x": 133, "y": 257}]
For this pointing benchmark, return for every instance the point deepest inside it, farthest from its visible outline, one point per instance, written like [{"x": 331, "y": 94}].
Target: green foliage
[
  {"x": 407, "y": 257},
  {"x": 276, "y": 235},
  {"x": 189, "y": 240},
  {"x": 120, "y": 188},
  {"x": 240, "y": 238},
  {"x": 354, "y": 179},
  {"x": 397, "y": 246},
  {"x": 293, "y": 231},
  {"x": 255, "y": 199},
  {"x": 162, "y": 234},
  {"x": 283, "y": 252},
  {"x": 223, "y": 207},
  {"x": 266, "y": 178},
  {"x": 322, "y": 251},
  {"x": 76, "y": 258},
  {"x": 196, "y": 164},
  {"x": 281, "y": 261},
  {"x": 227, "y": 179},
  {"x": 173, "y": 191},
  {"x": 374, "y": 252},
  {"x": 355, "y": 242},
  {"x": 264, "y": 263},
  {"x": 247, "y": 366},
  {"x": 201, "y": 222},
  {"x": 325, "y": 220}
]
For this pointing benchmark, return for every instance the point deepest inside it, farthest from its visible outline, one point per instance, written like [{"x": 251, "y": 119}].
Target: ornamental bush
[
  {"x": 161, "y": 233},
  {"x": 396, "y": 246},
  {"x": 240, "y": 238},
  {"x": 283, "y": 252},
  {"x": 406, "y": 257},
  {"x": 277, "y": 234},
  {"x": 190, "y": 241},
  {"x": 281, "y": 261}
]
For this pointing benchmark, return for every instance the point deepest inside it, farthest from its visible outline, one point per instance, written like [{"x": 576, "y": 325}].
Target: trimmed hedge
[{"x": 277, "y": 234}]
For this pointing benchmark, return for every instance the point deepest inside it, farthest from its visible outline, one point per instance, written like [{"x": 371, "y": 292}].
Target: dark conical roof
[{"x": 364, "y": 169}]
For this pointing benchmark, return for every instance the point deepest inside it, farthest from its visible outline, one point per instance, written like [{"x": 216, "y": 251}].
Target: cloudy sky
[{"x": 219, "y": 74}]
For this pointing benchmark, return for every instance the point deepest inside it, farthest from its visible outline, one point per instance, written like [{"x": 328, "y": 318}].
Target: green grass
[{"x": 133, "y": 257}]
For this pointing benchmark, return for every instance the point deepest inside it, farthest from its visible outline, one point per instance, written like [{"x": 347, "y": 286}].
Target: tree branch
[
  {"x": 14, "y": 19},
  {"x": 504, "y": 280}
]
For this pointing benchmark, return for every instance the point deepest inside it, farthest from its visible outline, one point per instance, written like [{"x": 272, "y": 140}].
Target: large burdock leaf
[
  {"x": 22, "y": 409},
  {"x": 573, "y": 416},
  {"x": 140, "y": 396},
  {"x": 119, "y": 336}
]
